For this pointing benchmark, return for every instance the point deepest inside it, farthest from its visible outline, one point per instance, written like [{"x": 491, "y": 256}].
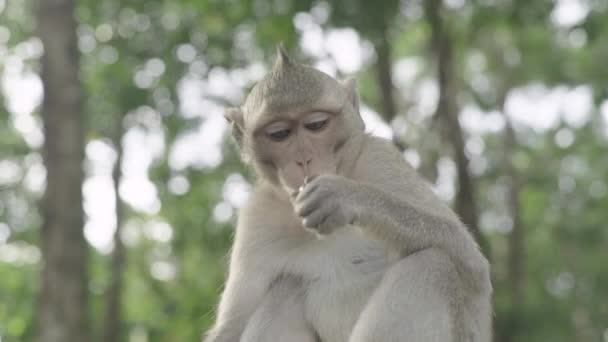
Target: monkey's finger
[
  {"x": 333, "y": 220},
  {"x": 294, "y": 194},
  {"x": 317, "y": 218},
  {"x": 305, "y": 193},
  {"x": 309, "y": 179},
  {"x": 307, "y": 206}
]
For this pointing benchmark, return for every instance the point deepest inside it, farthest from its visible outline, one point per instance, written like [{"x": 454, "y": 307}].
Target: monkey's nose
[
  {"x": 305, "y": 166},
  {"x": 303, "y": 163}
]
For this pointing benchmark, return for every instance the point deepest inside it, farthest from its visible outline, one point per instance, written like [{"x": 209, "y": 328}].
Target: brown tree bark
[
  {"x": 447, "y": 113},
  {"x": 385, "y": 78},
  {"x": 63, "y": 305},
  {"x": 516, "y": 251},
  {"x": 112, "y": 329},
  {"x": 384, "y": 75}
]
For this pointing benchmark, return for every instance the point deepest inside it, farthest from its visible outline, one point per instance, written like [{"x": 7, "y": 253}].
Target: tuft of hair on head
[{"x": 283, "y": 60}]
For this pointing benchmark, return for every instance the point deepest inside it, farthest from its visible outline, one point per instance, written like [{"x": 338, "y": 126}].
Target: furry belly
[
  {"x": 333, "y": 304},
  {"x": 352, "y": 267}
]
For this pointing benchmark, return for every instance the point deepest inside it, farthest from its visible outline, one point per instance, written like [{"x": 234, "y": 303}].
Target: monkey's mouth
[{"x": 307, "y": 180}]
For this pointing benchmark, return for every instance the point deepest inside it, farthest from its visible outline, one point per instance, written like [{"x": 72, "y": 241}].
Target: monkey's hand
[{"x": 326, "y": 203}]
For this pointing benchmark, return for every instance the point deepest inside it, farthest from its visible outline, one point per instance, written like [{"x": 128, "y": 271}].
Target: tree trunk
[
  {"x": 516, "y": 252},
  {"x": 384, "y": 75},
  {"x": 112, "y": 330},
  {"x": 447, "y": 112},
  {"x": 63, "y": 305},
  {"x": 385, "y": 78}
]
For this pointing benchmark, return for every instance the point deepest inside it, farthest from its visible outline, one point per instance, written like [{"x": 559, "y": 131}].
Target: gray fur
[
  {"x": 286, "y": 87},
  {"x": 363, "y": 253}
]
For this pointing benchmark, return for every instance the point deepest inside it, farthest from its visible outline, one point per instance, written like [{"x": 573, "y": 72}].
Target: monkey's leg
[
  {"x": 280, "y": 317},
  {"x": 417, "y": 300}
]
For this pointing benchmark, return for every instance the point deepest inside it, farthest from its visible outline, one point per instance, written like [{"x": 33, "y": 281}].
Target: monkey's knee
[
  {"x": 280, "y": 317},
  {"x": 392, "y": 319},
  {"x": 411, "y": 303}
]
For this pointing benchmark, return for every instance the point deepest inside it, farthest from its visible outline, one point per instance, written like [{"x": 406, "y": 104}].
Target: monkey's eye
[
  {"x": 279, "y": 135},
  {"x": 317, "y": 121},
  {"x": 278, "y": 131},
  {"x": 316, "y": 125}
]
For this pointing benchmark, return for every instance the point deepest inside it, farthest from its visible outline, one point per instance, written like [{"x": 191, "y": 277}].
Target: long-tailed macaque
[{"x": 341, "y": 240}]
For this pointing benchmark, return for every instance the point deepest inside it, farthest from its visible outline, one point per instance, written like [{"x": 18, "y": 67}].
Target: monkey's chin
[{"x": 293, "y": 189}]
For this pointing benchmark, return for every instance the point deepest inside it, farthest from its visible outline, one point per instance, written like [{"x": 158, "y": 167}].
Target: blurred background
[{"x": 501, "y": 105}]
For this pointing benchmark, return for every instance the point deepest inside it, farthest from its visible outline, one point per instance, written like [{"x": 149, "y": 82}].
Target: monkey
[
  {"x": 280, "y": 316},
  {"x": 341, "y": 239}
]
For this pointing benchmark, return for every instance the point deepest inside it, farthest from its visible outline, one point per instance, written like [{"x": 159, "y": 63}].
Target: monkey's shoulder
[
  {"x": 382, "y": 164},
  {"x": 266, "y": 197},
  {"x": 379, "y": 160}
]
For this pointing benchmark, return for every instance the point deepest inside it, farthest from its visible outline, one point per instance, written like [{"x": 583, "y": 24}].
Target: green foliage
[{"x": 135, "y": 56}]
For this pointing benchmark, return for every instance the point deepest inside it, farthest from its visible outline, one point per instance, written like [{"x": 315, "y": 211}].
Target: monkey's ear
[
  {"x": 350, "y": 85},
  {"x": 235, "y": 117}
]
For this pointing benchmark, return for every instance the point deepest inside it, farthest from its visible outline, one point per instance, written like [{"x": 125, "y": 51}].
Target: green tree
[{"x": 63, "y": 303}]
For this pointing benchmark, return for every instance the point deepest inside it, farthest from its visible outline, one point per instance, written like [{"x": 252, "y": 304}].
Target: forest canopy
[{"x": 120, "y": 186}]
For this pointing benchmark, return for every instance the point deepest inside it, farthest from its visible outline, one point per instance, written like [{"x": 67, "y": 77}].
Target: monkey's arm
[
  {"x": 252, "y": 266},
  {"x": 241, "y": 297},
  {"x": 387, "y": 199},
  {"x": 248, "y": 278}
]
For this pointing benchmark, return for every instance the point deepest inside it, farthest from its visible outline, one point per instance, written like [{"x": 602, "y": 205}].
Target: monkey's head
[{"x": 295, "y": 123}]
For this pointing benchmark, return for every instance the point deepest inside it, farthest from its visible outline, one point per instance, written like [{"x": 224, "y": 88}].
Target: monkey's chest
[{"x": 352, "y": 268}]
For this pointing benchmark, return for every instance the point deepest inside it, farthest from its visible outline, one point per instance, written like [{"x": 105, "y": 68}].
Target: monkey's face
[
  {"x": 295, "y": 122},
  {"x": 292, "y": 147}
]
